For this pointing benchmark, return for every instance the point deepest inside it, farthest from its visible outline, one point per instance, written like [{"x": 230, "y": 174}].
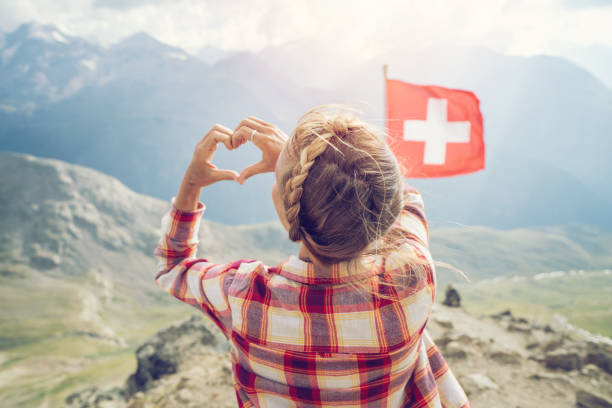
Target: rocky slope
[{"x": 501, "y": 361}]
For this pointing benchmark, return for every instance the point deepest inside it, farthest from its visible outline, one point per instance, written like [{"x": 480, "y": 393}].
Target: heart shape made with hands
[{"x": 267, "y": 137}]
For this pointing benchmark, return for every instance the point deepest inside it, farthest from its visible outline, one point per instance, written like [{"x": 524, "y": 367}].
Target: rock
[
  {"x": 45, "y": 261},
  {"x": 600, "y": 355},
  {"x": 540, "y": 358},
  {"x": 552, "y": 344},
  {"x": 162, "y": 354},
  {"x": 185, "y": 395},
  {"x": 506, "y": 314},
  {"x": 521, "y": 327},
  {"x": 452, "y": 298},
  {"x": 563, "y": 359},
  {"x": 94, "y": 398},
  {"x": 455, "y": 350},
  {"x": 586, "y": 399},
  {"x": 506, "y": 356},
  {"x": 477, "y": 382},
  {"x": 465, "y": 338},
  {"x": 551, "y": 377},
  {"x": 443, "y": 322},
  {"x": 591, "y": 370}
]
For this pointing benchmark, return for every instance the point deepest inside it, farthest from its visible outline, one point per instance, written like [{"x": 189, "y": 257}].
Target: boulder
[
  {"x": 162, "y": 354},
  {"x": 586, "y": 399},
  {"x": 562, "y": 378},
  {"x": 455, "y": 350},
  {"x": 477, "y": 382},
  {"x": 600, "y": 355},
  {"x": 506, "y": 356},
  {"x": 563, "y": 359},
  {"x": 95, "y": 398},
  {"x": 521, "y": 327},
  {"x": 505, "y": 315},
  {"x": 452, "y": 298},
  {"x": 443, "y": 322}
]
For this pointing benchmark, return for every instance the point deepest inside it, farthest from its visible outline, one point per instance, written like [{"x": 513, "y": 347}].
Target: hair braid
[{"x": 293, "y": 186}]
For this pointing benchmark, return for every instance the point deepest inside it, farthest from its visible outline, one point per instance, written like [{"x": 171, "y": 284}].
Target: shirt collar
[{"x": 306, "y": 272}]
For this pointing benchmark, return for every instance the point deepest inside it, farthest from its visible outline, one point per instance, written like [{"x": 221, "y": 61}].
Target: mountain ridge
[{"x": 147, "y": 109}]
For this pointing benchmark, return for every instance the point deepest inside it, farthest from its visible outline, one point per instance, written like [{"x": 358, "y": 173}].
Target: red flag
[{"x": 434, "y": 131}]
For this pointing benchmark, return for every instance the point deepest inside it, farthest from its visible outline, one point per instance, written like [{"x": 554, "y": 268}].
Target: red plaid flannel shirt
[{"x": 306, "y": 337}]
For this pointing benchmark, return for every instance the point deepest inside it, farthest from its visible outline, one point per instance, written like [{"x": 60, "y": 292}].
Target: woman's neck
[{"x": 306, "y": 255}]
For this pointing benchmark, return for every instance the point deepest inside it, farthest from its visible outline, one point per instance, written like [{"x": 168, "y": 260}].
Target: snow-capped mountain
[{"x": 135, "y": 110}]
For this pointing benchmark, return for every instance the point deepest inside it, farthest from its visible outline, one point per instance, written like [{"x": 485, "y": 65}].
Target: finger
[
  {"x": 219, "y": 133},
  {"x": 262, "y": 122},
  {"x": 253, "y": 169},
  {"x": 240, "y": 136},
  {"x": 221, "y": 136},
  {"x": 225, "y": 174},
  {"x": 255, "y": 125},
  {"x": 246, "y": 133},
  {"x": 270, "y": 126},
  {"x": 222, "y": 129}
]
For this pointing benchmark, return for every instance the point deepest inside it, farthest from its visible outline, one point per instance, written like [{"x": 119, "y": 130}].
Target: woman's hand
[
  {"x": 201, "y": 172},
  {"x": 266, "y": 136}
]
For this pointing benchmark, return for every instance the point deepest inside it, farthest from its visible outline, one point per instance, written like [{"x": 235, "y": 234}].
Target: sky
[{"x": 576, "y": 29}]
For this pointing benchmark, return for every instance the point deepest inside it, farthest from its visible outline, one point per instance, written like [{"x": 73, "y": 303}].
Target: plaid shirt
[{"x": 303, "y": 336}]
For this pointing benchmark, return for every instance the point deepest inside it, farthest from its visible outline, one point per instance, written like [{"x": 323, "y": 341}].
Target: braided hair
[{"x": 344, "y": 191}]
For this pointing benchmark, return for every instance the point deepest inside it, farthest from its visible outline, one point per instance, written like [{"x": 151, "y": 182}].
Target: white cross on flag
[{"x": 434, "y": 131}]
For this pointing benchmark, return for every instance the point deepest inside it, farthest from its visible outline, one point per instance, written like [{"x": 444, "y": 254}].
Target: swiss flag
[{"x": 434, "y": 131}]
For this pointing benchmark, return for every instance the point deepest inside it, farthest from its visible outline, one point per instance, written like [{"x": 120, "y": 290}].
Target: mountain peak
[
  {"x": 48, "y": 33},
  {"x": 139, "y": 40}
]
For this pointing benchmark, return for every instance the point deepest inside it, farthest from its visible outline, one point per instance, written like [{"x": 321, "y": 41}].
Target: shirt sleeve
[
  {"x": 195, "y": 281},
  {"x": 412, "y": 217}
]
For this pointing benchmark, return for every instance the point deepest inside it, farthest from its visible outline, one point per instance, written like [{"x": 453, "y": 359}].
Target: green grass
[
  {"x": 585, "y": 300},
  {"x": 44, "y": 359}
]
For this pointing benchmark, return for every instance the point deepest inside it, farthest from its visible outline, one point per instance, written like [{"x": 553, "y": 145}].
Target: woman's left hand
[
  {"x": 267, "y": 137},
  {"x": 201, "y": 171}
]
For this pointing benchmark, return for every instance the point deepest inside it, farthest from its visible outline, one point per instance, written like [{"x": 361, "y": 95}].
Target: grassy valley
[{"x": 583, "y": 297}]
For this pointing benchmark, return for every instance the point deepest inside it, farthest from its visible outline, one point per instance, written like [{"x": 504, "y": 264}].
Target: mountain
[
  {"x": 76, "y": 275},
  {"x": 136, "y": 109}
]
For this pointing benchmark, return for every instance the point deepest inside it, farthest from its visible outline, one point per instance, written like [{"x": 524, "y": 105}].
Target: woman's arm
[
  {"x": 193, "y": 280},
  {"x": 412, "y": 217}
]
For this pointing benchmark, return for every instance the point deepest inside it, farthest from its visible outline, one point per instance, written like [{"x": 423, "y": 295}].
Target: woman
[{"x": 342, "y": 323}]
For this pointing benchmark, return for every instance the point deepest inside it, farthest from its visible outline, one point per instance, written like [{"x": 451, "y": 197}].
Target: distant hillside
[
  {"x": 485, "y": 253},
  {"x": 136, "y": 109}
]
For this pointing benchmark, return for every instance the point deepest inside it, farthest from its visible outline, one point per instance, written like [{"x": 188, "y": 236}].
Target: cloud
[
  {"x": 124, "y": 4},
  {"x": 577, "y": 4},
  {"x": 359, "y": 27}
]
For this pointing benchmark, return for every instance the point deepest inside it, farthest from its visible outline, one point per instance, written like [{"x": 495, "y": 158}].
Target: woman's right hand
[{"x": 267, "y": 137}]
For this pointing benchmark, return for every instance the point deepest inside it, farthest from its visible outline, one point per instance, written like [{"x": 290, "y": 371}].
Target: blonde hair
[{"x": 344, "y": 193}]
